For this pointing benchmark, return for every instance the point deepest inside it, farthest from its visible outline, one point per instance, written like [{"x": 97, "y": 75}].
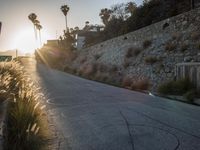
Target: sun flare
[{"x": 26, "y": 41}]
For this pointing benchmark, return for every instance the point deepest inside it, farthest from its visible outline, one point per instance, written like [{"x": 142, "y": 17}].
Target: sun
[{"x": 26, "y": 42}]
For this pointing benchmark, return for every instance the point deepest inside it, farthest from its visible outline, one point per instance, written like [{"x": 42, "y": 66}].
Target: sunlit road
[{"x": 95, "y": 116}]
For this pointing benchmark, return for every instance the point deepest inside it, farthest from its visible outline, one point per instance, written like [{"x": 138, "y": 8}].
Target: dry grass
[
  {"x": 140, "y": 85},
  {"x": 97, "y": 56},
  {"x": 89, "y": 70},
  {"x": 170, "y": 46},
  {"x": 151, "y": 60},
  {"x": 83, "y": 60},
  {"x": 126, "y": 63},
  {"x": 147, "y": 43},
  {"x": 195, "y": 35},
  {"x": 198, "y": 45},
  {"x": 176, "y": 36},
  {"x": 184, "y": 47},
  {"x": 24, "y": 128},
  {"x": 127, "y": 82},
  {"x": 133, "y": 52}
]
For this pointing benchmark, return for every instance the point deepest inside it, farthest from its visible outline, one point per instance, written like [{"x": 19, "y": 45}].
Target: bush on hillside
[
  {"x": 170, "y": 46},
  {"x": 190, "y": 96},
  {"x": 178, "y": 87},
  {"x": 151, "y": 60},
  {"x": 147, "y": 43},
  {"x": 127, "y": 82},
  {"x": 133, "y": 52},
  {"x": 140, "y": 85}
]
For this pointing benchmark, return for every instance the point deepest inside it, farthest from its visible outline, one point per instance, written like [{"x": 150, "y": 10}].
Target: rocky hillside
[{"x": 149, "y": 54}]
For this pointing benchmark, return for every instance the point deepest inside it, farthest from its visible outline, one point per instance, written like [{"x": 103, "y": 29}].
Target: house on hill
[{"x": 88, "y": 33}]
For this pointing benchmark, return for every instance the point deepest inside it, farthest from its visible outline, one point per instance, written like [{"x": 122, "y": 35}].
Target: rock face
[{"x": 151, "y": 52}]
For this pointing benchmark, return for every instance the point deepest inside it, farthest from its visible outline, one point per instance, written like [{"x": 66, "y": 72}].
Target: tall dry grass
[{"x": 24, "y": 129}]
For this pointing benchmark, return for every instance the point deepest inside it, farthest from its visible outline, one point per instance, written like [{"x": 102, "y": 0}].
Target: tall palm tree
[
  {"x": 32, "y": 17},
  {"x": 39, "y": 27},
  {"x": 65, "y": 10}
]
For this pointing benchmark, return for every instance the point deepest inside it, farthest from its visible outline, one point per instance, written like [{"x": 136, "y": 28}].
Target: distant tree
[
  {"x": 32, "y": 17},
  {"x": 39, "y": 27},
  {"x": 131, "y": 7},
  {"x": 76, "y": 28},
  {"x": 87, "y": 23},
  {"x": 119, "y": 11},
  {"x": 87, "y": 26},
  {"x": 105, "y": 15},
  {"x": 65, "y": 10},
  {"x": 67, "y": 40}
]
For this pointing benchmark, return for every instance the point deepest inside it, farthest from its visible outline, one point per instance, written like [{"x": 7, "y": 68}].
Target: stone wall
[{"x": 160, "y": 47}]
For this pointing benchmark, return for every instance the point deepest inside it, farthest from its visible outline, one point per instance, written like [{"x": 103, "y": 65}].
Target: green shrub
[
  {"x": 178, "y": 87},
  {"x": 190, "y": 96}
]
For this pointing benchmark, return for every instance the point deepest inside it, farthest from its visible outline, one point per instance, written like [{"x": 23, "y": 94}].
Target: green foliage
[
  {"x": 178, "y": 87},
  {"x": 190, "y": 96},
  {"x": 124, "y": 18}
]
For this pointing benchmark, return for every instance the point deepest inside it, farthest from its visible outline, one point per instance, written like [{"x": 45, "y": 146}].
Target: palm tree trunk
[
  {"x": 66, "y": 23},
  {"x": 40, "y": 38},
  {"x": 35, "y": 30}
]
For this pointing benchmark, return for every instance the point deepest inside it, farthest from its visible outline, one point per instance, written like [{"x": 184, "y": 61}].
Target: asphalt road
[{"x": 95, "y": 116}]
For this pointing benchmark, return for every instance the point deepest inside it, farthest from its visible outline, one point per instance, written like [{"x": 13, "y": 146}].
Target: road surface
[{"x": 95, "y": 116}]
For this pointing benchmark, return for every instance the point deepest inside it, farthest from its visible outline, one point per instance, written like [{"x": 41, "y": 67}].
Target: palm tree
[
  {"x": 32, "y": 17},
  {"x": 105, "y": 15},
  {"x": 39, "y": 27},
  {"x": 65, "y": 10}
]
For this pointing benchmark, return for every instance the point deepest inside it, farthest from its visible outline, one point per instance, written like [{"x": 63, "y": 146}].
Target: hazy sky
[{"x": 17, "y": 30}]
